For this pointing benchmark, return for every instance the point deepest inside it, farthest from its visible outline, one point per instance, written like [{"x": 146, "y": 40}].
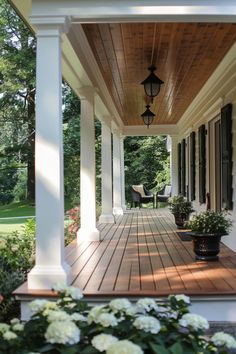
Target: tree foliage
[{"x": 146, "y": 162}]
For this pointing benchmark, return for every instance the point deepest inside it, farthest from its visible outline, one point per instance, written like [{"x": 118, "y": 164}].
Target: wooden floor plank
[{"x": 141, "y": 255}]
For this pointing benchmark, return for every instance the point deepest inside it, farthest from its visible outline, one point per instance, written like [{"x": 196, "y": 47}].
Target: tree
[
  {"x": 146, "y": 162},
  {"x": 17, "y": 98}
]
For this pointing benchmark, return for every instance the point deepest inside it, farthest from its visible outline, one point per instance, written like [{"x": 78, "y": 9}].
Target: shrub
[
  {"x": 69, "y": 326},
  {"x": 210, "y": 222},
  {"x": 179, "y": 205}
]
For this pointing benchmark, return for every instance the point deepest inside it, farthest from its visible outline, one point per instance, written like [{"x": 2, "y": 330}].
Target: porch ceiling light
[
  {"x": 152, "y": 84},
  {"x": 148, "y": 116}
]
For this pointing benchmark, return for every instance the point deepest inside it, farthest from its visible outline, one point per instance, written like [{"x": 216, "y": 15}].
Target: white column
[
  {"x": 88, "y": 230},
  {"x": 174, "y": 164},
  {"x": 50, "y": 266},
  {"x": 122, "y": 167},
  {"x": 107, "y": 212},
  {"x": 117, "y": 190}
]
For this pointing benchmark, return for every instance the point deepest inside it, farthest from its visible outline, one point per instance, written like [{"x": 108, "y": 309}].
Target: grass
[{"x": 17, "y": 209}]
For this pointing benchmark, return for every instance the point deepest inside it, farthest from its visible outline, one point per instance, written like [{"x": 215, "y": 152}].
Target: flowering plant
[
  {"x": 69, "y": 326},
  {"x": 179, "y": 205},
  {"x": 210, "y": 222}
]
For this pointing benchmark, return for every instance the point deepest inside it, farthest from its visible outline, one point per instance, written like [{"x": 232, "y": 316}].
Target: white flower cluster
[
  {"x": 147, "y": 324},
  {"x": 120, "y": 305},
  {"x": 69, "y": 291},
  {"x": 62, "y": 332},
  {"x": 182, "y": 297},
  {"x": 146, "y": 305},
  {"x": 193, "y": 321},
  {"x": 41, "y": 305},
  {"x": 124, "y": 347},
  {"x": 224, "y": 340},
  {"x": 103, "y": 341}
]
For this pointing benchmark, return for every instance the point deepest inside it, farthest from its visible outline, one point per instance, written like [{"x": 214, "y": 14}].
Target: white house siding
[{"x": 219, "y": 90}]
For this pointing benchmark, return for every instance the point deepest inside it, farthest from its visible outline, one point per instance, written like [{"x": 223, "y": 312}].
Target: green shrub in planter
[{"x": 69, "y": 326}]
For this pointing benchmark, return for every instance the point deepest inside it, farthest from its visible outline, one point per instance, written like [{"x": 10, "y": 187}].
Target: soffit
[{"x": 185, "y": 54}]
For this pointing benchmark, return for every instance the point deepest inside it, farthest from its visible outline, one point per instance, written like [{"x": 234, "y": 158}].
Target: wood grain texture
[{"x": 185, "y": 54}]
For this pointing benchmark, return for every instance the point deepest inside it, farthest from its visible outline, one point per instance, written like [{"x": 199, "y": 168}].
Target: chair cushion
[
  {"x": 139, "y": 189},
  {"x": 167, "y": 190}
]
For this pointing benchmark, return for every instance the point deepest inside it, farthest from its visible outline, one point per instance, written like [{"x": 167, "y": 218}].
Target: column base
[
  {"x": 45, "y": 277},
  {"x": 106, "y": 219},
  {"x": 118, "y": 211},
  {"x": 88, "y": 235}
]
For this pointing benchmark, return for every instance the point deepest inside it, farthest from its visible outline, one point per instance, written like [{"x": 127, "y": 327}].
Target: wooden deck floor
[{"x": 142, "y": 255}]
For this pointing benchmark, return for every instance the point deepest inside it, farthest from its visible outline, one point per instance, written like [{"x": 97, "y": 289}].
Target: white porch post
[
  {"x": 174, "y": 164},
  {"x": 122, "y": 166},
  {"x": 117, "y": 190},
  {"x": 107, "y": 212},
  {"x": 88, "y": 230},
  {"x": 50, "y": 264}
]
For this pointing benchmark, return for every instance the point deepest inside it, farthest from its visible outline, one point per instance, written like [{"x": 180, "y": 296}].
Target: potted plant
[
  {"x": 181, "y": 209},
  {"x": 207, "y": 228}
]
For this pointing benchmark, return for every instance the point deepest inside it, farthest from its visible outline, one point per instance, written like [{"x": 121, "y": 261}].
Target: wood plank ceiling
[{"x": 185, "y": 54}]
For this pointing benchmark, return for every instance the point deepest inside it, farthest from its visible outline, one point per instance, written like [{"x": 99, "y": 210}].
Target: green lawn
[{"x": 16, "y": 209}]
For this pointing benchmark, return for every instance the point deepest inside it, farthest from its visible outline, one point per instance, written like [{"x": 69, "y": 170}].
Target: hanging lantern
[
  {"x": 152, "y": 84},
  {"x": 148, "y": 116}
]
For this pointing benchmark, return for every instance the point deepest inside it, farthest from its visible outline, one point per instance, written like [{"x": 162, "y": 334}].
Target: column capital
[
  {"x": 106, "y": 120},
  {"x": 86, "y": 92},
  {"x": 49, "y": 26}
]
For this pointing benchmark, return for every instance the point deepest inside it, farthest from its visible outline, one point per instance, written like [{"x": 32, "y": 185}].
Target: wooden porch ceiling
[
  {"x": 141, "y": 255},
  {"x": 185, "y": 54}
]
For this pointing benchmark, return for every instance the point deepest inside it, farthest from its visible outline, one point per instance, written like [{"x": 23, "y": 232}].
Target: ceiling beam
[
  {"x": 91, "y": 11},
  {"x": 141, "y": 130}
]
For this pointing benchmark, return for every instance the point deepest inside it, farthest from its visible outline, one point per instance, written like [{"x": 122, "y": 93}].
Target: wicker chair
[
  {"x": 163, "y": 195},
  {"x": 141, "y": 195}
]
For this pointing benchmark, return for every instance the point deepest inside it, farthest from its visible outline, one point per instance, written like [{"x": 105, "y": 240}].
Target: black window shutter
[
  {"x": 226, "y": 156},
  {"x": 183, "y": 168},
  {"x": 202, "y": 163},
  {"x": 179, "y": 168},
  {"x": 192, "y": 165}
]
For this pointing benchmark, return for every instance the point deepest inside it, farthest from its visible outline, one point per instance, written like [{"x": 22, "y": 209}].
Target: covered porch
[{"x": 142, "y": 255}]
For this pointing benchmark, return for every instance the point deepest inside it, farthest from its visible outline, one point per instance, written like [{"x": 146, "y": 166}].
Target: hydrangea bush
[{"x": 69, "y": 326}]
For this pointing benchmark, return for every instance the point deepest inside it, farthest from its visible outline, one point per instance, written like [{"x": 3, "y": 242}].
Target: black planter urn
[
  {"x": 180, "y": 219},
  {"x": 206, "y": 246}
]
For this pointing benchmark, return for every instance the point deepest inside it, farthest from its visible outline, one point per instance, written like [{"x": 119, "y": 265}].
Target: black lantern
[
  {"x": 148, "y": 116},
  {"x": 152, "y": 84}
]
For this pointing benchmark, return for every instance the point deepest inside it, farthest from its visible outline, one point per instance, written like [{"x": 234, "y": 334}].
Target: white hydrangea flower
[
  {"x": 4, "y": 327},
  {"x": 194, "y": 322},
  {"x": 14, "y": 321},
  {"x": 18, "y": 327},
  {"x": 224, "y": 340},
  {"x": 183, "y": 297},
  {"x": 103, "y": 341},
  {"x": 120, "y": 305},
  {"x": 78, "y": 317},
  {"x": 147, "y": 324},
  {"x": 71, "y": 291},
  {"x": 147, "y": 304},
  {"x": 95, "y": 312},
  {"x": 67, "y": 299},
  {"x": 60, "y": 286},
  {"x": 107, "y": 320},
  {"x": 58, "y": 316},
  {"x": 131, "y": 311},
  {"x": 9, "y": 335},
  {"x": 65, "y": 332},
  {"x": 40, "y": 305},
  {"x": 124, "y": 347},
  {"x": 75, "y": 293}
]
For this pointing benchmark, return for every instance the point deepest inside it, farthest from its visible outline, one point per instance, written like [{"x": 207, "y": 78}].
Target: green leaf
[
  {"x": 176, "y": 348},
  {"x": 158, "y": 349}
]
